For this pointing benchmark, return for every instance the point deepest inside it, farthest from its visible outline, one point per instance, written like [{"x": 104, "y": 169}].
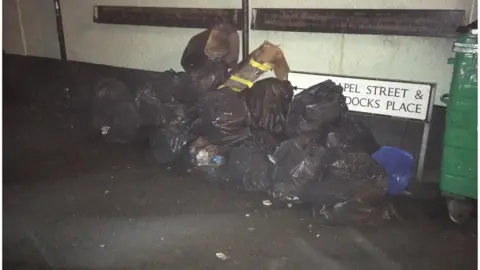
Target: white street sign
[{"x": 397, "y": 99}]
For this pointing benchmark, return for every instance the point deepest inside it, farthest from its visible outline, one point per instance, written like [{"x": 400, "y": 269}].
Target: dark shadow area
[{"x": 74, "y": 202}]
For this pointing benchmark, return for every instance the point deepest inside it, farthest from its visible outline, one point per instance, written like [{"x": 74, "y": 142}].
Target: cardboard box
[{"x": 265, "y": 58}]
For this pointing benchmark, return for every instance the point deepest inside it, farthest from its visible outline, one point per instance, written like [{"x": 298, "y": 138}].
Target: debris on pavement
[
  {"x": 222, "y": 256},
  {"x": 267, "y": 202}
]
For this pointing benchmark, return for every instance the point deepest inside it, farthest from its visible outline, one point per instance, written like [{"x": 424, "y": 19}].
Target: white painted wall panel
[
  {"x": 142, "y": 47},
  {"x": 40, "y": 28},
  {"x": 12, "y": 33}
]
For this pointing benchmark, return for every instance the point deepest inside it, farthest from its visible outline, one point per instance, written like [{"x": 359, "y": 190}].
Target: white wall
[
  {"x": 141, "y": 47},
  {"x": 12, "y": 32},
  {"x": 40, "y": 28},
  {"x": 30, "y": 28},
  {"x": 159, "y": 48}
]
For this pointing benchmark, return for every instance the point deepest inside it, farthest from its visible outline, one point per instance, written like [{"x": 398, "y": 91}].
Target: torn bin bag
[
  {"x": 298, "y": 162},
  {"x": 113, "y": 112},
  {"x": 223, "y": 117},
  {"x": 348, "y": 132},
  {"x": 250, "y": 169},
  {"x": 267, "y": 102},
  {"x": 314, "y": 107},
  {"x": 220, "y": 43}
]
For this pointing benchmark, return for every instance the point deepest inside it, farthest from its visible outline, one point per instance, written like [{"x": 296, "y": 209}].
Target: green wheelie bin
[{"x": 458, "y": 180}]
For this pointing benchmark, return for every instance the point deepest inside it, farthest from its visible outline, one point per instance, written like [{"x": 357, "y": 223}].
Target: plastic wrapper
[
  {"x": 268, "y": 103},
  {"x": 400, "y": 166},
  {"x": 203, "y": 153},
  {"x": 220, "y": 43},
  {"x": 209, "y": 160},
  {"x": 113, "y": 112},
  {"x": 167, "y": 143},
  {"x": 347, "y": 132},
  {"x": 315, "y": 107},
  {"x": 223, "y": 118},
  {"x": 298, "y": 162},
  {"x": 250, "y": 169},
  {"x": 265, "y": 58}
]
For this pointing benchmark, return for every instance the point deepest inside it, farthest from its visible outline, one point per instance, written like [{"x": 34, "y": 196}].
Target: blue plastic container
[{"x": 399, "y": 165}]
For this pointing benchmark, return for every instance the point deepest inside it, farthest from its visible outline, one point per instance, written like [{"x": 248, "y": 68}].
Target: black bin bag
[
  {"x": 209, "y": 78},
  {"x": 113, "y": 111},
  {"x": 155, "y": 96},
  {"x": 167, "y": 143},
  {"x": 298, "y": 163},
  {"x": 352, "y": 189},
  {"x": 267, "y": 102},
  {"x": 222, "y": 117},
  {"x": 315, "y": 107},
  {"x": 348, "y": 132},
  {"x": 350, "y": 175},
  {"x": 250, "y": 169}
]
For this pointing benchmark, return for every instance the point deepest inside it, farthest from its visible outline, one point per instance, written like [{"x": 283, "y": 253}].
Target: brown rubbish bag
[
  {"x": 219, "y": 43},
  {"x": 263, "y": 59}
]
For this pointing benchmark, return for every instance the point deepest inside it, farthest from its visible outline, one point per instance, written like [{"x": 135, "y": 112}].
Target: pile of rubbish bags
[{"x": 258, "y": 137}]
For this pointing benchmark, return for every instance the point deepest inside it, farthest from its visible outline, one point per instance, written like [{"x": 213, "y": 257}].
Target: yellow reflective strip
[
  {"x": 263, "y": 67},
  {"x": 242, "y": 81},
  {"x": 231, "y": 87}
]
